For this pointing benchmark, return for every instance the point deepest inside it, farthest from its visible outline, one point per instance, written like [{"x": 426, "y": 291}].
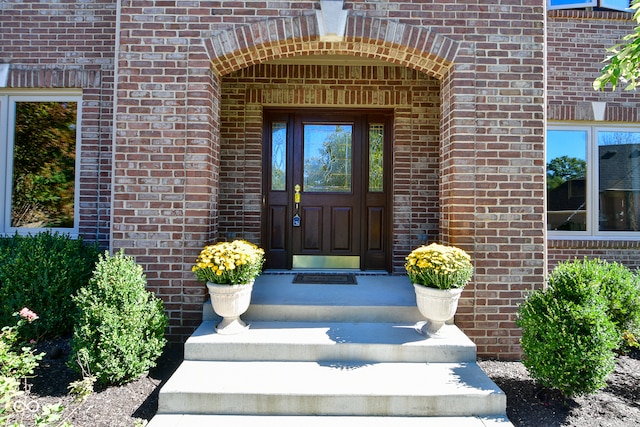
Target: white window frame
[
  {"x": 592, "y": 185},
  {"x": 607, "y": 4},
  {"x": 8, "y": 98},
  {"x": 574, "y": 5}
]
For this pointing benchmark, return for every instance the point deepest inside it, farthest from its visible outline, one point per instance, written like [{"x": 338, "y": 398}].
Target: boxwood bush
[
  {"x": 120, "y": 326},
  {"x": 567, "y": 346},
  {"x": 585, "y": 281},
  {"x": 569, "y": 330},
  {"x": 43, "y": 272}
]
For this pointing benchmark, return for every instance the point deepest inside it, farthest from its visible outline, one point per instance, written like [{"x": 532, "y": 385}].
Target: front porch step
[
  {"x": 331, "y": 388},
  {"x": 389, "y": 299},
  {"x": 187, "y": 420},
  {"x": 318, "y": 341},
  {"x": 330, "y": 355}
]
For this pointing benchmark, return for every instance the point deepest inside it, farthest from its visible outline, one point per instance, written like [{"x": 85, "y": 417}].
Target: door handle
[
  {"x": 296, "y": 195},
  {"x": 296, "y": 201}
]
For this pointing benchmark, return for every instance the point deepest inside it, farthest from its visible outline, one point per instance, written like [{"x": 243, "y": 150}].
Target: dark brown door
[{"x": 325, "y": 200}]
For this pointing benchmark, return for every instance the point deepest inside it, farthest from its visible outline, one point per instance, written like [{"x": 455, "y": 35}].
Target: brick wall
[
  {"x": 491, "y": 121},
  {"x": 576, "y": 47},
  {"x": 186, "y": 124},
  {"x": 624, "y": 252},
  {"x": 54, "y": 45},
  {"x": 174, "y": 151},
  {"x": 166, "y": 169},
  {"x": 577, "y": 42}
]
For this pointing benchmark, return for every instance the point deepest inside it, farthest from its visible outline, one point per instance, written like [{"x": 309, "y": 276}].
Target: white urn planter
[
  {"x": 230, "y": 302},
  {"x": 437, "y": 306}
]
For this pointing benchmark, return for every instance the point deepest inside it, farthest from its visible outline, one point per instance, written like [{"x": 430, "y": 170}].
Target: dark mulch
[
  {"x": 527, "y": 403},
  {"x": 121, "y": 406}
]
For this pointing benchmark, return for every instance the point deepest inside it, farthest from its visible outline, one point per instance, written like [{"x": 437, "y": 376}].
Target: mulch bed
[{"x": 527, "y": 403}]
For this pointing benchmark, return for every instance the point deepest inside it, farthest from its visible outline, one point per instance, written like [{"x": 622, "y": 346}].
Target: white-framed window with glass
[
  {"x": 621, "y": 5},
  {"x": 40, "y": 152},
  {"x": 593, "y": 181}
]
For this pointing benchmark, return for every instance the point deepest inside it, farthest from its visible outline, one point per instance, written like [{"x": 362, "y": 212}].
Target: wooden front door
[{"x": 326, "y": 204}]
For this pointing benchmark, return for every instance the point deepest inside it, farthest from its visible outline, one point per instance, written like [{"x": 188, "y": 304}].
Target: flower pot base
[
  {"x": 430, "y": 329},
  {"x": 231, "y": 326}
]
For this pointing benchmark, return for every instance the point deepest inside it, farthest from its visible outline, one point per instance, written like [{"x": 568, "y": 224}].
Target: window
[
  {"x": 622, "y": 5},
  {"x": 593, "y": 181},
  {"x": 39, "y": 140}
]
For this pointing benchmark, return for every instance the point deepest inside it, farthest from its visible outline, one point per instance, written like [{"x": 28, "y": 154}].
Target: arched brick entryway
[
  {"x": 400, "y": 44},
  {"x": 488, "y": 61},
  {"x": 396, "y": 44}
]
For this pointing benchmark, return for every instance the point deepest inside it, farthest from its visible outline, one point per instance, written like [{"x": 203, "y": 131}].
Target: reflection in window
[
  {"x": 44, "y": 156},
  {"x": 376, "y": 157},
  {"x": 327, "y": 158},
  {"x": 566, "y": 180},
  {"x": 619, "y": 181},
  {"x": 278, "y": 156}
]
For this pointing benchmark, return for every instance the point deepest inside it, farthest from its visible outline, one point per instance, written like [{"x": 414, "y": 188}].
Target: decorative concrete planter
[
  {"x": 437, "y": 306},
  {"x": 230, "y": 302}
]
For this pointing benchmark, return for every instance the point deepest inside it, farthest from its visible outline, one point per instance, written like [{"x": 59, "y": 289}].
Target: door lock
[{"x": 296, "y": 201}]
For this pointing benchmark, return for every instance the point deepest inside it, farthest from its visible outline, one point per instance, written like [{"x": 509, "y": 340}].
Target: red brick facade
[{"x": 172, "y": 159}]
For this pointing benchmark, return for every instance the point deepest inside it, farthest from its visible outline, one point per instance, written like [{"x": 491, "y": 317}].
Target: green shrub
[
  {"x": 585, "y": 281},
  {"x": 17, "y": 359},
  {"x": 9, "y": 389},
  {"x": 567, "y": 346},
  {"x": 43, "y": 272},
  {"x": 577, "y": 281},
  {"x": 621, "y": 289},
  {"x": 119, "y": 324}
]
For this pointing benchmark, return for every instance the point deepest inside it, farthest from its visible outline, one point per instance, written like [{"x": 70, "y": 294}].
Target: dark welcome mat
[{"x": 325, "y": 279}]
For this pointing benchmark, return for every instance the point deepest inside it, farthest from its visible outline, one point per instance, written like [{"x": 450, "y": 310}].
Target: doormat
[{"x": 325, "y": 279}]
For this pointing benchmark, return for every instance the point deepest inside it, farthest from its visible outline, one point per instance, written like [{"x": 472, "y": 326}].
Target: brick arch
[{"x": 401, "y": 44}]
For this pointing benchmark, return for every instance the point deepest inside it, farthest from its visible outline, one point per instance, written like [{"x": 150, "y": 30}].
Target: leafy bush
[
  {"x": 567, "y": 346},
  {"x": 43, "y": 272},
  {"x": 17, "y": 360},
  {"x": 621, "y": 289},
  {"x": 584, "y": 282},
  {"x": 9, "y": 389},
  {"x": 120, "y": 326}
]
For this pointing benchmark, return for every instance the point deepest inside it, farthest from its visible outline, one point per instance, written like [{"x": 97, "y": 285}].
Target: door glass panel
[
  {"x": 278, "y": 156},
  {"x": 327, "y": 158},
  {"x": 44, "y": 157},
  {"x": 376, "y": 159}
]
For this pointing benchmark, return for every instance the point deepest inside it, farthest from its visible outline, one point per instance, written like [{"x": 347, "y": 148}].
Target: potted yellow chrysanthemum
[
  {"x": 438, "y": 273},
  {"x": 229, "y": 270}
]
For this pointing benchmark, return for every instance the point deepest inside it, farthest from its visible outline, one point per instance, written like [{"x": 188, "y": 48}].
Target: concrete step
[
  {"x": 187, "y": 420},
  {"x": 275, "y": 297},
  {"x": 317, "y": 341},
  {"x": 331, "y": 388}
]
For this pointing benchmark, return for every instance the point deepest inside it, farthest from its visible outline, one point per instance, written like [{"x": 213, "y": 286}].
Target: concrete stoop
[
  {"x": 319, "y": 372},
  {"x": 331, "y": 373},
  {"x": 188, "y": 420}
]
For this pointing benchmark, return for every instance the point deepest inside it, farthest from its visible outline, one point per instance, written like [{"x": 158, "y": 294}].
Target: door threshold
[{"x": 327, "y": 271}]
